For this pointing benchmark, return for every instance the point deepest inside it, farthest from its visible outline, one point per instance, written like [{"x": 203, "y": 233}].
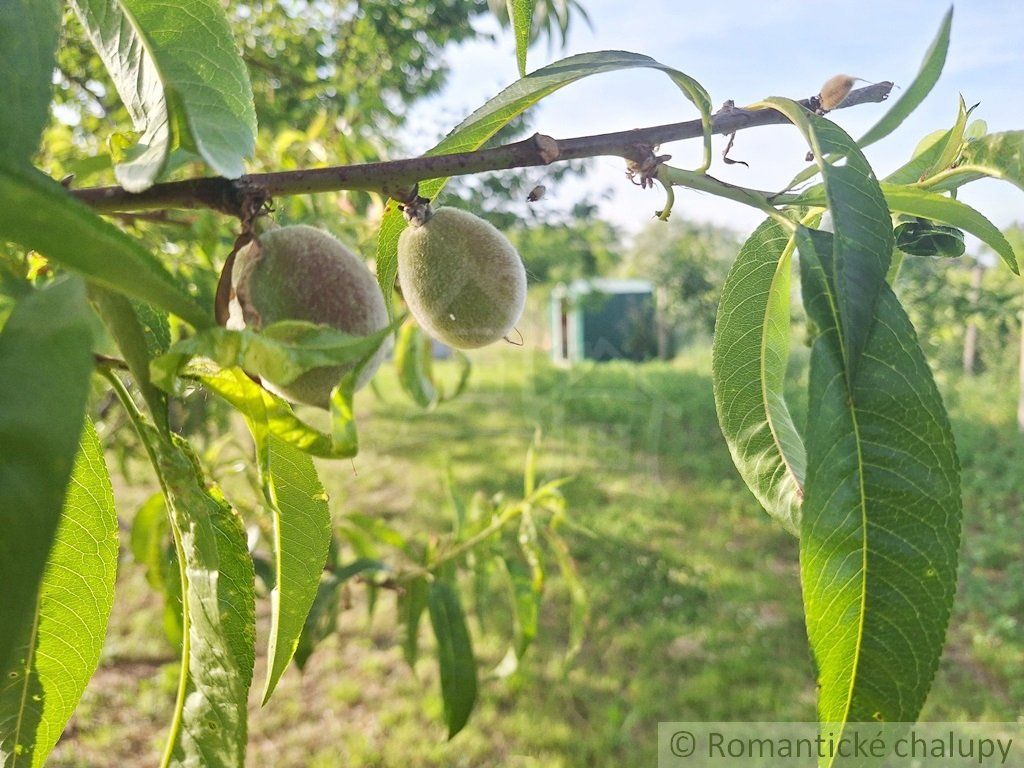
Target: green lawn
[{"x": 696, "y": 611}]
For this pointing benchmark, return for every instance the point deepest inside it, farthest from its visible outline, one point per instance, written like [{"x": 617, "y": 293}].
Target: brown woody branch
[{"x": 398, "y": 176}]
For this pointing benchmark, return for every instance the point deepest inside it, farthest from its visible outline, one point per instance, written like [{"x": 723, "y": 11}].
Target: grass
[{"x": 696, "y": 611}]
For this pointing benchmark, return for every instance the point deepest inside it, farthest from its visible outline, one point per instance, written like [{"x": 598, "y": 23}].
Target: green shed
[{"x": 603, "y": 319}]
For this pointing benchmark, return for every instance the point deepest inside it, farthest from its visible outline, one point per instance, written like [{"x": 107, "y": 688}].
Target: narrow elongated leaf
[
  {"x": 302, "y": 534},
  {"x": 322, "y": 619},
  {"x": 917, "y": 201},
  {"x": 520, "y": 13},
  {"x": 976, "y": 130},
  {"x": 881, "y": 515},
  {"x": 179, "y": 74},
  {"x": 863, "y": 233},
  {"x": 59, "y": 654},
  {"x": 156, "y": 328},
  {"x": 918, "y": 90},
  {"x": 209, "y": 726},
  {"x": 579, "y": 613},
  {"x": 33, "y": 207},
  {"x": 925, "y": 157},
  {"x": 476, "y": 129},
  {"x": 153, "y": 548},
  {"x": 454, "y": 655},
  {"x": 935, "y": 152},
  {"x": 921, "y": 237},
  {"x": 252, "y": 400},
  {"x": 749, "y": 356},
  {"x": 298, "y": 506},
  {"x": 929, "y": 205},
  {"x": 997, "y": 156},
  {"x": 45, "y": 364},
  {"x": 530, "y": 468},
  {"x": 525, "y": 599},
  {"x": 280, "y": 353},
  {"x": 28, "y": 37},
  {"x": 414, "y": 362},
  {"x": 951, "y": 150},
  {"x": 130, "y": 336},
  {"x": 412, "y": 602}
]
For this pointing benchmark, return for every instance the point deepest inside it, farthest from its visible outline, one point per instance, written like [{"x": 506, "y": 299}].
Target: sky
[{"x": 746, "y": 50}]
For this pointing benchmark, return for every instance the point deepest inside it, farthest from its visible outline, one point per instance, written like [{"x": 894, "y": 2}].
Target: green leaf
[
  {"x": 209, "y": 726},
  {"x": 529, "y": 545},
  {"x": 182, "y": 80},
  {"x": 579, "y": 615},
  {"x": 976, "y": 130},
  {"x": 357, "y": 566},
  {"x": 997, "y": 156},
  {"x": 455, "y": 505},
  {"x": 525, "y": 599},
  {"x": 520, "y": 13},
  {"x": 951, "y": 150},
  {"x": 123, "y": 323},
  {"x": 414, "y": 362},
  {"x": 39, "y": 214},
  {"x": 302, "y": 535},
  {"x": 58, "y": 655},
  {"x": 922, "y": 237},
  {"x": 454, "y": 655},
  {"x": 412, "y": 601},
  {"x": 153, "y": 547},
  {"x": 280, "y": 352},
  {"x": 917, "y": 201},
  {"x": 298, "y": 506},
  {"x": 322, "y": 619},
  {"x": 28, "y": 38},
  {"x": 862, "y": 223},
  {"x": 254, "y": 401},
  {"x": 918, "y": 90},
  {"x": 749, "y": 357},
  {"x": 530, "y": 468},
  {"x": 881, "y": 514},
  {"x": 929, "y": 205},
  {"x": 476, "y": 129},
  {"x": 45, "y": 364},
  {"x": 926, "y": 155},
  {"x": 935, "y": 152}
]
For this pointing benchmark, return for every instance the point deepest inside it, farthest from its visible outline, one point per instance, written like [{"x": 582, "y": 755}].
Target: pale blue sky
[{"x": 745, "y": 50}]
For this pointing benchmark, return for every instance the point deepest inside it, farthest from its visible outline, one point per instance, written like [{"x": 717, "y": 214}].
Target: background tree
[
  {"x": 965, "y": 310},
  {"x": 687, "y": 262}
]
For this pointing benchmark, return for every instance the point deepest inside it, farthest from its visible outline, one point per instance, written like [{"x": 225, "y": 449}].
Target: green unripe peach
[
  {"x": 304, "y": 273},
  {"x": 462, "y": 279}
]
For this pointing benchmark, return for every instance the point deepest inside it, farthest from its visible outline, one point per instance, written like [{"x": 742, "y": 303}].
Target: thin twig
[
  {"x": 394, "y": 176},
  {"x": 159, "y": 217}
]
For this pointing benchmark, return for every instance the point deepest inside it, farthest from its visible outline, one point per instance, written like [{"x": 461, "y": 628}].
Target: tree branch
[{"x": 398, "y": 176}]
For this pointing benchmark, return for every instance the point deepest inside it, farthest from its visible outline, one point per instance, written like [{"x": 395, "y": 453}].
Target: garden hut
[{"x": 603, "y": 319}]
